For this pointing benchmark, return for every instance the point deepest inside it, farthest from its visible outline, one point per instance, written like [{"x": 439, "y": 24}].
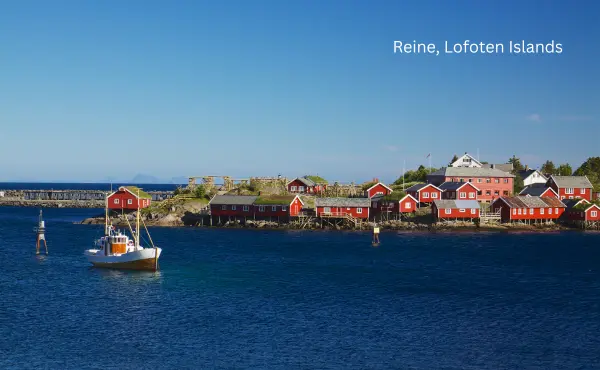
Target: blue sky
[{"x": 98, "y": 89}]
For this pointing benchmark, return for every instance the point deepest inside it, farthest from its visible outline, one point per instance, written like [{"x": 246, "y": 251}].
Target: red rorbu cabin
[
  {"x": 539, "y": 190},
  {"x": 459, "y": 191},
  {"x": 581, "y": 210},
  {"x": 528, "y": 209},
  {"x": 379, "y": 189},
  {"x": 391, "y": 207},
  {"x": 571, "y": 187},
  {"x": 449, "y": 209},
  {"x": 277, "y": 206},
  {"x": 425, "y": 193},
  {"x": 306, "y": 185},
  {"x": 232, "y": 205},
  {"x": 129, "y": 198},
  {"x": 343, "y": 207}
]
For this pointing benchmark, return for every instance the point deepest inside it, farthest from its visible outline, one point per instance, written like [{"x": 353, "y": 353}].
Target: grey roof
[
  {"x": 505, "y": 167},
  {"x": 233, "y": 199},
  {"x": 532, "y": 202},
  {"x": 416, "y": 187},
  {"x": 570, "y": 203},
  {"x": 526, "y": 173},
  {"x": 448, "y": 185},
  {"x": 571, "y": 181},
  {"x": 456, "y": 204},
  {"x": 343, "y": 202},
  {"x": 470, "y": 172},
  {"x": 305, "y": 181},
  {"x": 534, "y": 190}
]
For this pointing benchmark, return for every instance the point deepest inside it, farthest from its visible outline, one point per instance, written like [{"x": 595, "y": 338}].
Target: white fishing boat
[{"x": 118, "y": 251}]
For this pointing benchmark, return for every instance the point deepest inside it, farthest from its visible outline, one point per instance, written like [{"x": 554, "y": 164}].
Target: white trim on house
[{"x": 382, "y": 184}]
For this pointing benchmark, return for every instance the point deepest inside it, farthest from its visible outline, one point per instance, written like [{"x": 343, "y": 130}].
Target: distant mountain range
[{"x": 149, "y": 179}]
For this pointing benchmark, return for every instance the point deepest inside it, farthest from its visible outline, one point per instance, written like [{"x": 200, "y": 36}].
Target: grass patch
[
  {"x": 316, "y": 179},
  {"x": 274, "y": 199}
]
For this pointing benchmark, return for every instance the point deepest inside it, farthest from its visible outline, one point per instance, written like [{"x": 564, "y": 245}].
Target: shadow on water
[{"x": 131, "y": 275}]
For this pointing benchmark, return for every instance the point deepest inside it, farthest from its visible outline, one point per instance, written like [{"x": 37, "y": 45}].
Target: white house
[
  {"x": 466, "y": 160},
  {"x": 531, "y": 176}
]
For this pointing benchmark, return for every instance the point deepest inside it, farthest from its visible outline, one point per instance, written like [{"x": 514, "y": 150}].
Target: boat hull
[{"x": 145, "y": 259}]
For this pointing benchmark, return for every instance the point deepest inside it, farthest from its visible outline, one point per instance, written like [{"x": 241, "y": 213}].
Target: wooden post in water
[{"x": 41, "y": 230}]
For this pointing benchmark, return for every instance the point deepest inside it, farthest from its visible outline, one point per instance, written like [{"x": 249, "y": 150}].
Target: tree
[
  {"x": 516, "y": 162},
  {"x": 548, "y": 167},
  {"x": 591, "y": 169},
  {"x": 519, "y": 185},
  {"x": 454, "y": 159},
  {"x": 564, "y": 170},
  {"x": 200, "y": 191}
]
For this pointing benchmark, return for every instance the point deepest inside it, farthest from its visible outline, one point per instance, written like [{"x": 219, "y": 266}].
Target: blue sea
[{"x": 257, "y": 299}]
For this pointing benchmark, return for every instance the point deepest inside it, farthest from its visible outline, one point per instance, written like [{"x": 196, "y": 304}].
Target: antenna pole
[{"x": 137, "y": 222}]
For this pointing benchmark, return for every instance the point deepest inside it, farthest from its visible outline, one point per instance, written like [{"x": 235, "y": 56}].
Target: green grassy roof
[
  {"x": 396, "y": 195},
  {"x": 583, "y": 205},
  {"x": 274, "y": 199},
  {"x": 135, "y": 190},
  {"x": 316, "y": 179}
]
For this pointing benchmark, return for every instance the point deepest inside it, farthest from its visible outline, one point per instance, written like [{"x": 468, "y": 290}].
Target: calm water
[{"x": 300, "y": 300}]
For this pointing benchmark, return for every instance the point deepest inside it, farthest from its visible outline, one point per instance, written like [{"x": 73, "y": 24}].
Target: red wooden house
[
  {"x": 449, "y": 209},
  {"x": 232, "y": 205},
  {"x": 391, "y": 207},
  {"x": 539, "y": 190},
  {"x": 305, "y": 185},
  {"x": 129, "y": 198},
  {"x": 459, "y": 191},
  {"x": 377, "y": 190},
  {"x": 342, "y": 207},
  {"x": 571, "y": 187},
  {"x": 425, "y": 193},
  {"x": 528, "y": 208},
  {"x": 581, "y": 210},
  {"x": 277, "y": 206},
  {"x": 491, "y": 182}
]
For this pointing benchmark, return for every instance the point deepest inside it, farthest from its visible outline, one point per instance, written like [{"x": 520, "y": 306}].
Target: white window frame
[
  {"x": 224, "y": 207},
  {"x": 582, "y": 190},
  {"x": 433, "y": 195},
  {"x": 473, "y": 211},
  {"x": 246, "y": 208},
  {"x": 520, "y": 211},
  {"x": 129, "y": 201},
  {"x": 462, "y": 210},
  {"x": 408, "y": 205},
  {"x": 425, "y": 195},
  {"x": 594, "y": 214},
  {"x": 531, "y": 211},
  {"x": 300, "y": 188},
  {"x": 496, "y": 181},
  {"x": 569, "y": 191},
  {"x": 233, "y": 208},
  {"x": 116, "y": 200},
  {"x": 471, "y": 195},
  {"x": 448, "y": 211},
  {"x": 549, "y": 211},
  {"x": 284, "y": 208},
  {"x": 293, "y": 188},
  {"x": 261, "y": 208},
  {"x": 514, "y": 211},
  {"x": 462, "y": 195},
  {"x": 358, "y": 210},
  {"x": 556, "y": 210},
  {"x": 479, "y": 181},
  {"x": 274, "y": 208},
  {"x": 542, "y": 211}
]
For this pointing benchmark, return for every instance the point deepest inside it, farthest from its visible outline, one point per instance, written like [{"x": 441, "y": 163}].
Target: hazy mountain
[{"x": 146, "y": 179}]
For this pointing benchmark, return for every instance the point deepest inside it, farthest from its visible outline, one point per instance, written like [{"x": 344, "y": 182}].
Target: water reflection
[{"x": 130, "y": 275}]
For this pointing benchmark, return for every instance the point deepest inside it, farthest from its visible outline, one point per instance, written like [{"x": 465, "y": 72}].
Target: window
[
  {"x": 530, "y": 211},
  {"x": 472, "y": 195},
  {"x": 462, "y": 180},
  {"x": 425, "y": 195},
  {"x": 569, "y": 191},
  {"x": 514, "y": 211},
  {"x": 488, "y": 180},
  {"x": 327, "y": 210},
  {"x": 594, "y": 214},
  {"x": 542, "y": 211},
  {"x": 488, "y": 192},
  {"x": 293, "y": 188},
  {"x": 470, "y": 180},
  {"x": 479, "y": 181},
  {"x": 556, "y": 210},
  {"x": 462, "y": 195},
  {"x": 129, "y": 201},
  {"x": 233, "y": 208},
  {"x": 570, "y": 197},
  {"x": 283, "y": 208},
  {"x": 407, "y": 205},
  {"x": 549, "y": 211},
  {"x": 520, "y": 210},
  {"x": 479, "y": 192},
  {"x": 274, "y": 208},
  {"x": 473, "y": 211},
  {"x": 506, "y": 181},
  {"x": 261, "y": 208},
  {"x": 359, "y": 210},
  {"x": 301, "y": 188},
  {"x": 223, "y": 207},
  {"x": 505, "y": 192},
  {"x": 246, "y": 208},
  {"x": 447, "y": 211},
  {"x": 434, "y": 195},
  {"x": 582, "y": 190},
  {"x": 462, "y": 210},
  {"x": 379, "y": 193},
  {"x": 497, "y": 181},
  {"x": 117, "y": 201},
  {"x": 496, "y": 192}
]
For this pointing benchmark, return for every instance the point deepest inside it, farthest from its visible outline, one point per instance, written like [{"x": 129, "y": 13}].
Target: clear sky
[{"x": 97, "y": 89}]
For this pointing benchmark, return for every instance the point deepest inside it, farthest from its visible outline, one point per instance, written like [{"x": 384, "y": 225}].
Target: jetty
[{"x": 65, "y": 198}]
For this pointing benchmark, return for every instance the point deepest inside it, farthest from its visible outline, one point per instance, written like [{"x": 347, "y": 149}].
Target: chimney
[{"x": 493, "y": 165}]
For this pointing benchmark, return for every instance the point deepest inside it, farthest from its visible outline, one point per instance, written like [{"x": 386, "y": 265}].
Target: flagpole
[{"x": 403, "y": 171}]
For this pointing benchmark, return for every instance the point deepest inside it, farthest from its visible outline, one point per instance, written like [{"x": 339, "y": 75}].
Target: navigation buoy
[
  {"x": 375, "y": 236},
  {"x": 41, "y": 230}
]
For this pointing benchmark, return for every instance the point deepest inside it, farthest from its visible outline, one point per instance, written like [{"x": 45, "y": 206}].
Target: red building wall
[
  {"x": 352, "y": 211},
  {"x": 421, "y": 196},
  {"x": 468, "y": 190},
  {"x": 398, "y": 206},
  {"x": 507, "y": 214},
  {"x": 455, "y": 213},
  {"x": 378, "y": 188},
  {"x": 307, "y": 189},
  {"x": 123, "y": 197},
  {"x": 488, "y": 189},
  {"x": 576, "y": 215},
  {"x": 217, "y": 210},
  {"x": 583, "y": 193},
  {"x": 549, "y": 194},
  {"x": 290, "y": 210}
]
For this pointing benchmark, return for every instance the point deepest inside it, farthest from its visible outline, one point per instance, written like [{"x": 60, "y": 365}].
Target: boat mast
[
  {"x": 137, "y": 220},
  {"x": 106, "y": 214}
]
